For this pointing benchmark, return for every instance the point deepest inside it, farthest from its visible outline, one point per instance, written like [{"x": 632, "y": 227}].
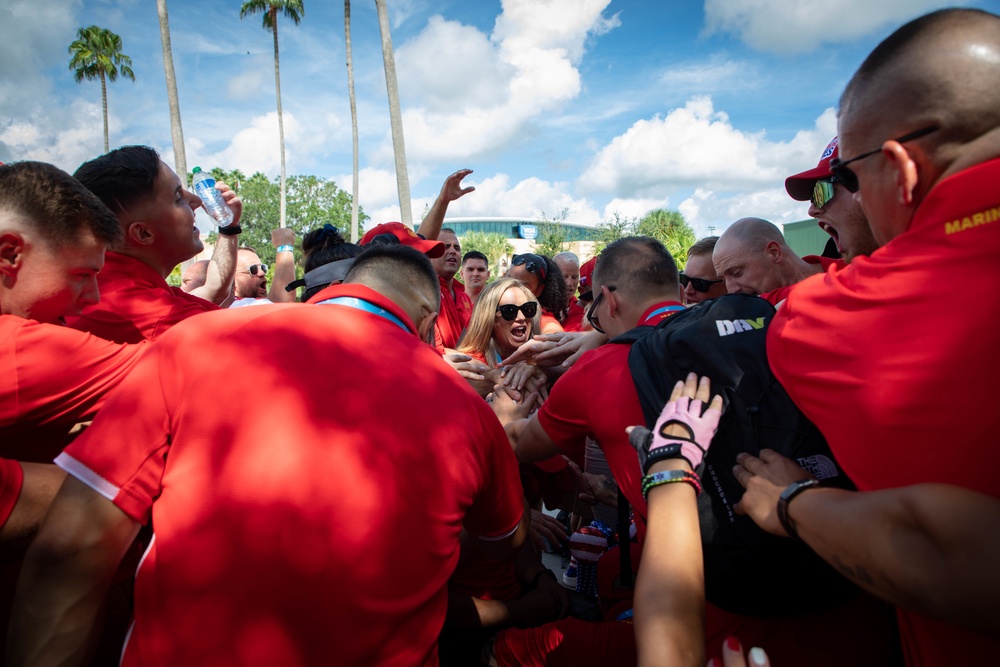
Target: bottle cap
[{"x": 196, "y": 170}]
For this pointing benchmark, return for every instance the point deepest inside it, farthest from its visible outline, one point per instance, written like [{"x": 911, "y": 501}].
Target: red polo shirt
[
  {"x": 871, "y": 358},
  {"x": 55, "y": 377},
  {"x": 320, "y": 523},
  {"x": 454, "y": 315},
  {"x": 574, "y": 317},
  {"x": 136, "y": 303},
  {"x": 597, "y": 398}
]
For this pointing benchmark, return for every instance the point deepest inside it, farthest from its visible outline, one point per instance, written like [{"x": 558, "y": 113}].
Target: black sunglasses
[
  {"x": 508, "y": 311},
  {"x": 595, "y": 322},
  {"x": 839, "y": 168},
  {"x": 699, "y": 284},
  {"x": 255, "y": 268},
  {"x": 532, "y": 262}
]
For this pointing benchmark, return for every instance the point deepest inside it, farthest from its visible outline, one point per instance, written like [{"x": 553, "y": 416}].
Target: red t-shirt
[
  {"x": 136, "y": 303},
  {"x": 574, "y": 317},
  {"x": 54, "y": 377},
  {"x": 11, "y": 479},
  {"x": 597, "y": 398},
  {"x": 319, "y": 523},
  {"x": 454, "y": 315},
  {"x": 870, "y": 356},
  {"x": 780, "y": 294}
]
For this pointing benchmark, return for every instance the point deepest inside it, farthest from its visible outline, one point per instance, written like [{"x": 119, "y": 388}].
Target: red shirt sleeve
[
  {"x": 57, "y": 376},
  {"x": 563, "y": 416},
  {"x": 497, "y": 510},
  {"x": 123, "y": 454}
]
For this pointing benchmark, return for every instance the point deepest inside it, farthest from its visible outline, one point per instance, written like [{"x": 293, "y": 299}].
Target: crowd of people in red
[{"x": 383, "y": 499}]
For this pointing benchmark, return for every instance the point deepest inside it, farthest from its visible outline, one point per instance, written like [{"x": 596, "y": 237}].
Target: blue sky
[{"x": 594, "y": 107}]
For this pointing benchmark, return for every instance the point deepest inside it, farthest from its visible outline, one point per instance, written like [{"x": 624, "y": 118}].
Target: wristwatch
[{"x": 786, "y": 497}]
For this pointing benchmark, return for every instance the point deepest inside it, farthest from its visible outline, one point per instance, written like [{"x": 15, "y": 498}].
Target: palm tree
[
  {"x": 176, "y": 131},
  {"x": 354, "y": 120},
  {"x": 395, "y": 117},
  {"x": 97, "y": 54},
  {"x": 671, "y": 229},
  {"x": 292, "y": 9}
]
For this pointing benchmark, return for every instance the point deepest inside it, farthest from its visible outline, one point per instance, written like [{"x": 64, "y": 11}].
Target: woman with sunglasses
[
  {"x": 543, "y": 277},
  {"x": 504, "y": 318}
]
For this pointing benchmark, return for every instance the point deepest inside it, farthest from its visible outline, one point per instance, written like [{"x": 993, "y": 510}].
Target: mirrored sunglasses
[
  {"x": 508, "y": 311},
  {"x": 823, "y": 192},
  {"x": 699, "y": 284},
  {"x": 257, "y": 268}
]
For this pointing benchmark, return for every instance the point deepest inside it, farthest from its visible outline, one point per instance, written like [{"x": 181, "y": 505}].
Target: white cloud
[
  {"x": 697, "y": 146},
  {"x": 710, "y": 212},
  {"x": 796, "y": 26},
  {"x": 467, "y": 94},
  {"x": 707, "y": 77},
  {"x": 494, "y": 196},
  {"x": 632, "y": 208}
]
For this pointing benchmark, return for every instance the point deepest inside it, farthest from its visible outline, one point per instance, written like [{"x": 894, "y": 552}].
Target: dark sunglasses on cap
[
  {"x": 255, "y": 268},
  {"x": 823, "y": 192},
  {"x": 532, "y": 262},
  {"x": 508, "y": 311},
  {"x": 699, "y": 284},
  {"x": 839, "y": 168}
]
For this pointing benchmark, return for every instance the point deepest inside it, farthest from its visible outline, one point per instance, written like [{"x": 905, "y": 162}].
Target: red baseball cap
[
  {"x": 800, "y": 186},
  {"x": 586, "y": 270},
  {"x": 405, "y": 236}
]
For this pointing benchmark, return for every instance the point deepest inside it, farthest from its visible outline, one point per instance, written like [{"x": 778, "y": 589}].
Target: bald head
[
  {"x": 938, "y": 71},
  {"x": 750, "y": 255}
]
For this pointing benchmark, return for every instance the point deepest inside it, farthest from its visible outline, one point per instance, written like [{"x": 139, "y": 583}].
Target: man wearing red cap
[
  {"x": 445, "y": 251},
  {"x": 836, "y": 211}
]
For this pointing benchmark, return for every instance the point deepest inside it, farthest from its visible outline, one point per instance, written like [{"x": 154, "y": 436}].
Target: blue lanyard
[
  {"x": 367, "y": 306},
  {"x": 661, "y": 311}
]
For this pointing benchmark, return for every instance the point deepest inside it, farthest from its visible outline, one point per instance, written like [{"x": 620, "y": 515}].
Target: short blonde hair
[{"x": 478, "y": 337}]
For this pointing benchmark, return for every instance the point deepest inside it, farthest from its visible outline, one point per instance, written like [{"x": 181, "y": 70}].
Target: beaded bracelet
[
  {"x": 668, "y": 477},
  {"x": 285, "y": 248}
]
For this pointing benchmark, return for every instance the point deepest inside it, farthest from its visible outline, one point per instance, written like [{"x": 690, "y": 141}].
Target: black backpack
[{"x": 747, "y": 571}]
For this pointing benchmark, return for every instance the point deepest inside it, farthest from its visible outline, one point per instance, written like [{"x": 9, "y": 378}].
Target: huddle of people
[{"x": 380, "y": 502}]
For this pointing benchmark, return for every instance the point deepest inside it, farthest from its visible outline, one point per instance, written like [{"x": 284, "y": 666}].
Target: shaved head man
[
  {"x": 753, "y": 258},
  {"x": 919, "y": 133}
]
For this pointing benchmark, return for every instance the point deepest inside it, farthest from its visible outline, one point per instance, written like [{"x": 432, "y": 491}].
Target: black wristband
[
  {"x": 538, "y": 575},
  {"x": 786, "y": 497},
  {"x": 231, "y": 230}
]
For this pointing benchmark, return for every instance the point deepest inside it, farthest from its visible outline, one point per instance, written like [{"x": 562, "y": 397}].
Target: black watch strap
[
  {"x": 786, "y": 497},
  {"x": 671, "y": 451},
  {"x": 231, "y": 230}
]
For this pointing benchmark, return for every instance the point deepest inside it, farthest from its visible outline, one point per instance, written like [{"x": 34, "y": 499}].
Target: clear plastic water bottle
[{"x": 211, "y": 198}]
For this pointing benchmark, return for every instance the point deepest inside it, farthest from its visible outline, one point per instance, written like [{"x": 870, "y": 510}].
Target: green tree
[
  {"x": 670, "y": 229},
  {"x": 293, "y": 10},
  {"x": 612, "y": 230},
  {"x": 493, "y": 245},
  {"x": 97, "y": 54},
  {"x": 311, "y": 203},
  {"x": 552, "y": 236}
]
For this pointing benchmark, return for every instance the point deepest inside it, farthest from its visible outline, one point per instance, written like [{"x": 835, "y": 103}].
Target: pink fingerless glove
[{"x": 686, "y": 413}]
